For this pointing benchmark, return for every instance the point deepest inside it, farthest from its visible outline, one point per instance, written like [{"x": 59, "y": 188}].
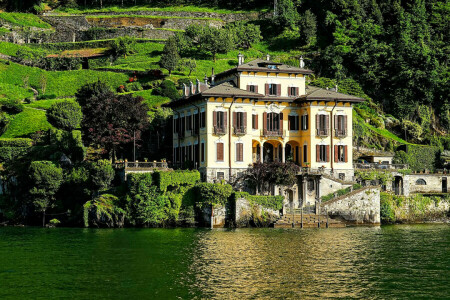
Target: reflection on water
[{"x": 367, "y": 262}]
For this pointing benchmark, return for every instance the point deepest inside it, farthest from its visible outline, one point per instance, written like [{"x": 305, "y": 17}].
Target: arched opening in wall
[
  {"x": 292, "y": 152},
  {"x": 256, "y": 151},
  {"x": 271, "y": 151},
  {"x": 421, "y": 181},
  {"x": 398, "y": 185},
  {"x": 290, "y": 195}
]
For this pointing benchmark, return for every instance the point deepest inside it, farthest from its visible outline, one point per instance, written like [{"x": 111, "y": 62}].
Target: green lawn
[
  {"x": 15, "y": 92},
  {"x": 188, "y": 8},
  {"x": 45, "y": 104},
  {"x": 27, "y": 122},
  {"x": 147, "y": 17},
  {"x": 11, "y": 49},
  {"x": 26, "y": 20}
]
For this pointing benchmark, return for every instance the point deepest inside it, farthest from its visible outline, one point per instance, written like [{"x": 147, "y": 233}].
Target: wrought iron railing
[
  {"x": 322, "y": 132},
  {"x": 142, "y": 165},
  {"x": 240, "y": 130},
  {"x": 340, "y": 132},
  {"x": 219, "y": 130},
  {"x": 273, "y": 133},
  {"x": 379, "y": 166}
]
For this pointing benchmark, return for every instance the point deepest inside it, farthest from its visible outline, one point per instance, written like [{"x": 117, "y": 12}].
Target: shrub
[
  {"x": 215, "y": 194},
  {"x": 46, "y": 96},
  {"x": 163, "y": 180},
  {"x": 9, "y": 153},
  {"x": 133, "y": 86},
  {"x": 271, "y": 202},
  {"x": 123, "y": 46},
  {"x": 11, "y": 106},
  {"x": 19, "y": 142},
  {"x": 103, "y": 211},
  {"x": 65, "y": 115},
  {"x": 167, "y": 89},
  {"x": 101, "y": 173}
]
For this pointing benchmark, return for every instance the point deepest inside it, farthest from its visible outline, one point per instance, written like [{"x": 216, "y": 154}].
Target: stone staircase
[{"x": 307, "y": 221}]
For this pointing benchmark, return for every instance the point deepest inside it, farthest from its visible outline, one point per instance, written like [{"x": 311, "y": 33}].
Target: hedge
[
  {"x": 271, "y": 202},
  {"x": 8, "y": 153},
  {"x": 19, "y": 142},
  {"x": 175, "y": 178}
]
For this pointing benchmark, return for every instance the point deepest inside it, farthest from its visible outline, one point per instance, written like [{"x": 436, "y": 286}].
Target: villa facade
[{"x": 262, "y": 111}]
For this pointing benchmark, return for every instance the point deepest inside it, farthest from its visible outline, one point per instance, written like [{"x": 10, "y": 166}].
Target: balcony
[
  {"x": 219, "y": 130},
  {"x": 322, "y": 132},
  {"x": 273, "y": 133},
  {"x": 380, "y": 166},
  {"x": 240, "y": 130},
  {"x": 340, "y": 132}
]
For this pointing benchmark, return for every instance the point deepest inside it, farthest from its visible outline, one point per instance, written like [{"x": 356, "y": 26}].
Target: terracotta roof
[
  {"x": 315, "y": 93},
  {"x": 260, "y": 65}
]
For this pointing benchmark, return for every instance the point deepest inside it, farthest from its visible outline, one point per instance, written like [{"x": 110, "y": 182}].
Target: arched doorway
[
  {"x": 256, "y": 151},
  {"x": 290, "y": 197},
  {"x": 398, "y": 185},
  {"x": 272, "y": 151},
  {"x": 292, "y": 152}
]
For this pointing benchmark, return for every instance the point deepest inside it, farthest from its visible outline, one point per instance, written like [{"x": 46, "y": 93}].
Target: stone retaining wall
[{"x": 359, "y": 207}]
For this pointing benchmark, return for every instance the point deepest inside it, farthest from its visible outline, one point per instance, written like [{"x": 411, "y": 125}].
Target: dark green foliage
[
  {"x": 101, "y": 174},
  {"x": 69, "y": 142},
  {"x": 11, "y": 106},
  {"x": 212, "y": 194},
  {"x": 419, "y": 158},
  {"x": 167, "y": 89},
  {"x": 170, "y": 57},
  {"x": 4, "y": 122},
  {"x": 163, "y": 180},
  {"x": 308, "y": 27},
  {"x": 9, "y": 153},
  {"x": 271, "y": 202},
  {"x": 65, "y": 115},
  {"x": 262, "y": 176},
  {"x": 45, "y": 179},
  {"x": 244, "y": 34},
  {"x": 123, "y": 46},
  {"x": 387, "y": 213},
  {"x": 19, "y": 142},
  {"x": 103, "y": 211},
  {"x": 287, "y": 15}
]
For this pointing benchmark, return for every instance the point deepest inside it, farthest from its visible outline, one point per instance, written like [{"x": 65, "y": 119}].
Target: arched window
[{"x": 420, "y": 181}]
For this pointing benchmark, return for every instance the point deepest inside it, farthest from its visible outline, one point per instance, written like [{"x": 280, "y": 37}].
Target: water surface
[{"x": 389, "y": 262}]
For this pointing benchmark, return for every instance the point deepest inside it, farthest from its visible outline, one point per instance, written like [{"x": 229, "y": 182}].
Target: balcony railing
[
  {"x": 380, "y": 166},
  {"x": 220, "y": 130},
  {"x": 340, "y": 132},
  {"x": 142, "y": 165},
  {"x": 240, "y": 130},
  {"x": 273, "y": 133},
  {"x": 322, "y": 132}
]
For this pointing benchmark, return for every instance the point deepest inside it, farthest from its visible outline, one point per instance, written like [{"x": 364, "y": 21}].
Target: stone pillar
[
  {"x": 261, "y": 154},
  {"x": 283, "y": 154},
  {"x": 303, "y": 191},
  {"x": 317, "y": 195}
]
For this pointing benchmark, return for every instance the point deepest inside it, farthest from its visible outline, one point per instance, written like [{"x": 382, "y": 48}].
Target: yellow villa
[{"x": 262, "y": 111}]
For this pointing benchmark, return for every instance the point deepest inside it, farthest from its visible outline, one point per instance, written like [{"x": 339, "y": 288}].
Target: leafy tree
[
  {"x": 245, "y": 34},
  {"x": 214, "y": 194},
  {"x": 170, "y": 57},
  {"x": 101, "y": 174},
  {"x": 264, "y": 175},
  {"x": 45, "y": 179},
  {"x": 110, "y": 120},
  {"x": 65, "y": 115},
  {"x": 167, "y": 89},
  {"x": 122, "y": 46},
  {"x": 287, "y": 15},
  {"x": 189, "y": 64},
  {"x": 308, "y": 27},
  {"x": 216, "y": 40}
]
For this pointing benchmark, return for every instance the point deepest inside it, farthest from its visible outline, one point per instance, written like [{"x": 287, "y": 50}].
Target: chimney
[
  {"x": 336, "y": 87},
  {"x": 206, "y": 79},
  {"x": 302, "y": 63},
  {"x": 184, "y": 90},
  {"x": 198, "y": 86},
  {"x": 240, "y": 59},
  {"x": 212, "y": 76},
  {"x": 268, "y": 56},
  {"x": 191, "y": 88}
]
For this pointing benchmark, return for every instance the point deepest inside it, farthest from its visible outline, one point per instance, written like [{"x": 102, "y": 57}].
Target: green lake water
[{"x": 388, "y": 262}]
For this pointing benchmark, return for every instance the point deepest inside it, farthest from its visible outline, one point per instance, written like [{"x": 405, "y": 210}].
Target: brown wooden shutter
[
  {"x": 256, "y": 121},
  {"x": 345, "y": 154},
  {"x": 336, "y": 158},
  {"x": 245, "y": 120},
  {"x": 336, "y": 122},
  {"x": 296, "y": 91},
  {"x": 289, "y": 91},
  {"x": 225, "y": 115},
  {"x": 317, "y": 153},
  {"x": 327, "y": 123},
  {"x": 281, "y": 122},
  {"x": 289, "y": 122},
  {"x": 328, "y": 153},
  {"x": 214, "y": 118},
  {"x": 239, "y": 152},
  {"x": 234, "y": 119},
  {"x": 318, "y": 122},
  {"x": 267, "y": 89},
  {"x": 278, "y": 89},
  {"x": 220, "y": 151},
  {"x": 345, "y": 124},
  {"x": 248, "y": 87},
  {"x": 265, "y": 121},
  {"x": 256, "y": 88}
]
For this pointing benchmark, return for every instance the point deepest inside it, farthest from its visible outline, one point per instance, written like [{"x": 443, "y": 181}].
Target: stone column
[
  {"x": 303, "y": 192},
  {"x": 261, "y": 153},
  {"x": 283, "y": 154},
  {"x": 317, "y": 195}
]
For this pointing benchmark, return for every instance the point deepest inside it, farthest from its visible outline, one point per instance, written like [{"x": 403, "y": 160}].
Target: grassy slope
[
  {"x": 27, "y": 122},
  {"x": 25, "y": 20}
]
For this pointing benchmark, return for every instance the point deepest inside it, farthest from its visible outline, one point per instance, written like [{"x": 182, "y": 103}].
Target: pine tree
[{"x": 170, "y": 57}]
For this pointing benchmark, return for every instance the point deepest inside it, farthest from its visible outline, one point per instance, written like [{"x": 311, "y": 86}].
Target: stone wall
[
  {"x": 358, "y": 207},
  {"x": 433, "y": 183},
  {"x": 244, "y": 213}
]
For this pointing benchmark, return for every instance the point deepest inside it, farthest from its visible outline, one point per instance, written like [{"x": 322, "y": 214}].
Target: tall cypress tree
[{"x": 170, "y": 57}]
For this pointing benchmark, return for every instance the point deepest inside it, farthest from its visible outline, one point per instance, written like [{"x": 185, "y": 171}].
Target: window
[
  {"x": 293, "y": 123},
  {"x": 323, "y": 153},
  {"x": 340, "y": 153},
  {"x": 219, "y": 151},
  {"x": 272, "y": 67},
  {"x": 202, "y": 119},
  {"x": 175, "y": 125},
  {"x": 252, "y": 88},
  {"x": 196, "y": 123},
  {"x": 219, "y": 122},
  {"x": 203, "y": 152},
  {"x": 272, "y": 89},
  {"x": 183, "y": 125},
  {"x": 240, "y": 120},
  {"x": 310, "y": 185},
  {"x": 220, "y": 175},
  {"x": 420, "y": 181},
  {"x": 273, "y": 122},
  {"x": 254, "y": 121},
  {"x": 322, "y": 122},
  {"x": 340, "y": 125},
  {"x": 239, "y": 152},
  {"x": 188, "y": 122},
  {"x": 305, "y": 153},
  {"x": 305, "y": 122},
  {"x": 292, "y": 91}
]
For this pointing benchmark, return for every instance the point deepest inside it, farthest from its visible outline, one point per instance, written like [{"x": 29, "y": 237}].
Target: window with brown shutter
[
  {"x": 219, "y": 151},
  {"x": 281, "y": 122},
  {"x": 322, "y": 153},
  {"x": 239, "y": 152},
  {"x": 340, "y": 155},
  {"x": 317, "y": 153},
  {"x": 266, "y": 89},
  {"x": 265, "y": 121},
  {"x": 305, "y": 122},
  {"x": 345, "y": 153},
  {"x": 278, "y": 89},
  {"x": 273, "y": 89},
  {"x": 328, "y": 153},
  {"x": 336, "y": 156}
]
